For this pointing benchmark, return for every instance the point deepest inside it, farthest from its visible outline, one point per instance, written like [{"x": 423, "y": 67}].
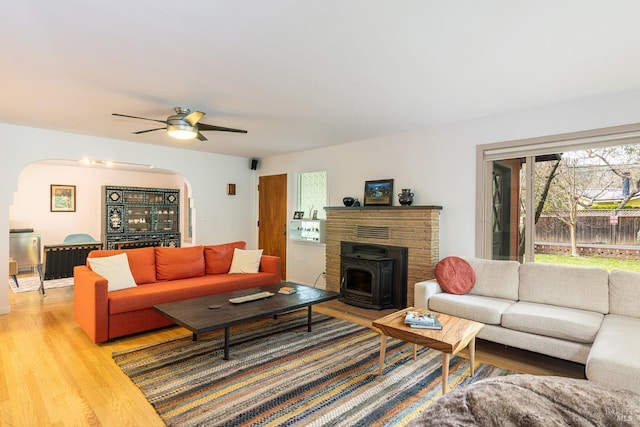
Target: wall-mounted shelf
[{"x": 307, "y": 230}]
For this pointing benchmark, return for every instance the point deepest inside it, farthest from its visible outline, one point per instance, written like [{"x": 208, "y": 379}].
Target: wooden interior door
[{"x": 272, "y": 217}]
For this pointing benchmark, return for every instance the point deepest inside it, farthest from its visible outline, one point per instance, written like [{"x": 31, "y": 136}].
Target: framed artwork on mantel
[
  {"x": 63, "y": 198},
  {"x": 378, "y": 192}
]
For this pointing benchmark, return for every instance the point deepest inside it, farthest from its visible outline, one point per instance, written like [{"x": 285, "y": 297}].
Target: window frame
[{"x": 486, "y": 154}]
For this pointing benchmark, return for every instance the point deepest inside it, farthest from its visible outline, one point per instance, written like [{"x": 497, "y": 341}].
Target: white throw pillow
[
  {"x": 115, "y": 269},
  {"x": 245, "y": 261}
]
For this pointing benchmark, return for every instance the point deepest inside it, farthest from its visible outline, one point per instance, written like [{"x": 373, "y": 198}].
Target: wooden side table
[{"x": 455, "y": 335}]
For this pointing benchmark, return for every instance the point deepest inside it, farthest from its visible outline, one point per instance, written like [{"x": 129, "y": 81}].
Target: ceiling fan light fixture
[
  {"x": 182, "y": 131},
  {"x": 183, "y": 125}
]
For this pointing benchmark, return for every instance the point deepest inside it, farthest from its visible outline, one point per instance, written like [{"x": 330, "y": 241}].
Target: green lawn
[{"x": 606, "y": 263}]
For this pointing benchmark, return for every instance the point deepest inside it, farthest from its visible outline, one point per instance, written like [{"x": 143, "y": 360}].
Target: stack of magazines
[{"x": 422, "y": 320}]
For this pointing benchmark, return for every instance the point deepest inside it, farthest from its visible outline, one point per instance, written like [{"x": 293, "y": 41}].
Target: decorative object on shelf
[
  {"x": 378, "y": 192},
  {"x": 63, "y": 198},
  {"x": 315, "y": 214},
  {"x": 298, "y": 215},
  {"x": 406, "y": 197},
  {"x": 348, "y": 201},
  {"x": 356, "y": 203}
]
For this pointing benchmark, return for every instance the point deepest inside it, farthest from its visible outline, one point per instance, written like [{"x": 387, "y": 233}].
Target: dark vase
[
  {"x": 406, "y": 197},
  {"x": 348, "y": 201}
]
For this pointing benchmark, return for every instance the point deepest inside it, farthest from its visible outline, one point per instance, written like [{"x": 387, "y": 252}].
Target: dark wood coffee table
[{"x": 195, "y": 314}]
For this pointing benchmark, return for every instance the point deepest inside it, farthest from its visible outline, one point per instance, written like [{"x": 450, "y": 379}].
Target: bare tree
[
  {"x": 577, "y": 185},
  {"x": 545, "y": 173}
]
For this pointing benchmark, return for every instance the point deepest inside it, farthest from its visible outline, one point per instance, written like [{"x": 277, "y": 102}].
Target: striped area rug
[
  {"x": 281, "y": 375},
  {"x": 32, "y": 283}
]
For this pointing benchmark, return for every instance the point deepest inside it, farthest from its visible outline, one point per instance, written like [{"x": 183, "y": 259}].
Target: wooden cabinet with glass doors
[{"x": 136, "y": 217}]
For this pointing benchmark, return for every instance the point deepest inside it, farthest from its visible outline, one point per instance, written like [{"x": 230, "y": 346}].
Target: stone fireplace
[
  {"x": 366, "y": 229},
  {"x": 373, "y": 276}
]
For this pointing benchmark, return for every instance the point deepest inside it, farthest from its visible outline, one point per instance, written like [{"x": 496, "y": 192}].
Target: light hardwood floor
[{"x": 52, "y": 374}]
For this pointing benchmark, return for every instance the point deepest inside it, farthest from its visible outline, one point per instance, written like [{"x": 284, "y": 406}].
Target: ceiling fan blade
[
  {"x": 148, "y": 130},
  {"x": 201, "y": 137},
  {"x": 193, "y": 118},
  {"x": 141, "y": 118},
  {"x": 204, "y": 126}
]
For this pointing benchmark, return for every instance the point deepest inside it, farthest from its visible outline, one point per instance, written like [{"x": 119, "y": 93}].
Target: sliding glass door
[{"x": 519, "y": 180}]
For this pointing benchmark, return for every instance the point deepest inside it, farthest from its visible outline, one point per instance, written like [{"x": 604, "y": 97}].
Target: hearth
[{"x": 373, "y": 276}]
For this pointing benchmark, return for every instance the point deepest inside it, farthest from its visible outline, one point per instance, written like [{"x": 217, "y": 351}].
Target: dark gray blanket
[{"x": 528, "y": 400}]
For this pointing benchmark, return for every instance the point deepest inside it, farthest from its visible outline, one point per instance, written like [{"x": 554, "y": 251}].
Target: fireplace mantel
[
  {"x": 414, "y": 227},
  {"x": 368, "y": 208}
]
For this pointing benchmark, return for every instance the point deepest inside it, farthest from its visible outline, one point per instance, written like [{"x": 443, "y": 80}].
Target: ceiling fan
[{"x": 183, "y": 125}]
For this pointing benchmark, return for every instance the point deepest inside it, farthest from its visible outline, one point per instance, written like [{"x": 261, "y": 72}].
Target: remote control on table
[{"x": 251, "y": 297}]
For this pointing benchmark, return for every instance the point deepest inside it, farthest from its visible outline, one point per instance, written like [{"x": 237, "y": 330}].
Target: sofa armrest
[
  {"x": 271, "y": 264},
  {"x": 90, "y": 303},
  {"x": 423, "y": 291}
]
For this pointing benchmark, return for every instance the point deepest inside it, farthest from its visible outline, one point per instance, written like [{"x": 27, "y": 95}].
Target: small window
[{"x": 312, "y": 194}]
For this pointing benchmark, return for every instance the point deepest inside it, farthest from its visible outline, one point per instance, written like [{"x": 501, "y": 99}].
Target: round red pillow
[{"x": 455, "y": 275}]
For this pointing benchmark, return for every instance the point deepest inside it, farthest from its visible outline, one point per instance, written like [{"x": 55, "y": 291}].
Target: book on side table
[
  {"x": 422, "y": 320},
  {"x": 287, "y": 290}
]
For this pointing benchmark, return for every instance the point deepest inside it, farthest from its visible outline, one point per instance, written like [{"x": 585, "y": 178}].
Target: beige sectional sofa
[{"x": 585, "y": 315}]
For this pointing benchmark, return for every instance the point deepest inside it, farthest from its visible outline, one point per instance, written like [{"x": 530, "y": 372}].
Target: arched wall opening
[
  {"x": 219, "y": 217},
  {"x": 30, "y": 207}
]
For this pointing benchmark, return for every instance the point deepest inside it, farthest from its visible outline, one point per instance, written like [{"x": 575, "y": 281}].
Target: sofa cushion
[
  {"x": 145, "y": 297},
  {"x": 473, "y": 307},
  {"x": 245, "y": 261},
  {"x": 217, "y": 258},
  {"x": 612, "y": 358},
  {"x": 498, "y": 279},
  {"x": 565, "y": 286},
  {"x": 115, "y": 269},
  {"x": 552, "y": 321},
  {"x": 455, "y": 275},
  {"x": 142, "y": 262},
  {"x": 624, "y": 293},
  {"x": 179, "y": 263}
]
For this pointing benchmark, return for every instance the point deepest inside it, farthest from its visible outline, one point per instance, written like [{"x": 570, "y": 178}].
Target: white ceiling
[{"x": 300, "y": 74}]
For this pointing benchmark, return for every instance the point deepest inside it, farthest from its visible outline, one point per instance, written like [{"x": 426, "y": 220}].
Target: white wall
[
  {"x": 30, "y": 207},
  {"x": 438, "y": 164},
  {"x": 218, "y": 217}
]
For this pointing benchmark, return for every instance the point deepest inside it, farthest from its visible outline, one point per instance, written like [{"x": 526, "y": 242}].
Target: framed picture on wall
[
  {"x": 378, "y": 192},
  {"x": 63, "y": 198}
]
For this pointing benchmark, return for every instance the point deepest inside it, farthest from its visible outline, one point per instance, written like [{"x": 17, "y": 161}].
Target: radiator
[{"x": 59, "y": 260}]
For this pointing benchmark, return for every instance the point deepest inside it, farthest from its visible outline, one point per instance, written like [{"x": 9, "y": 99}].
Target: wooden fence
[{"x": 594, "y": 227}]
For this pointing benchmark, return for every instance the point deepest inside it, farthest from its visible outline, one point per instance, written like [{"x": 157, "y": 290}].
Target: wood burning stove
[{"x": 373, "y": 276}]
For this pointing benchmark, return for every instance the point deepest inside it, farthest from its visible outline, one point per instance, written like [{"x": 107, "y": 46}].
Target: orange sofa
[{"x": 161, "y": 275}]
